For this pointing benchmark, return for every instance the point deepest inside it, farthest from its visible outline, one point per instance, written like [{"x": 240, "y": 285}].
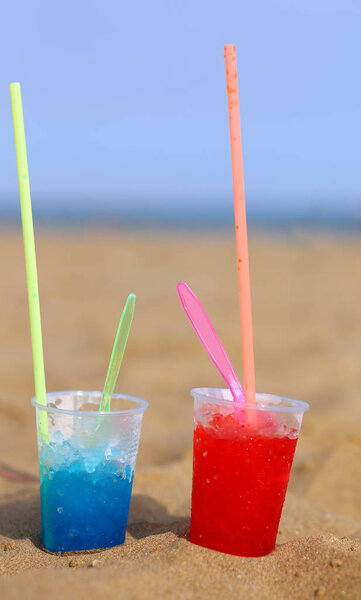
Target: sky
[{"x": 125, "y": 103}]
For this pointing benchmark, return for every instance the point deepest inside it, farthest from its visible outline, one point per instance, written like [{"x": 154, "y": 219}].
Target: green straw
[
  {"x": 30, "y": 257},
  {"x": 118, "y": 352}
]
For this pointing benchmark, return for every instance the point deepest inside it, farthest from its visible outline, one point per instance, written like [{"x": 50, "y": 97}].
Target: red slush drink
[{"x": 241, "y": 468}]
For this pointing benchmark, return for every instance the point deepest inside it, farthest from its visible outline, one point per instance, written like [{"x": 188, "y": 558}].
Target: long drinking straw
[
  {"x": 240, "y": 223},
  {"x": 116, "y": 358},
  {"x": 30, "y": 256}
]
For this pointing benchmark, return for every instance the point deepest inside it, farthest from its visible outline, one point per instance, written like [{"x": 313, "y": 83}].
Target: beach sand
[{"x": 306, "y": 297}]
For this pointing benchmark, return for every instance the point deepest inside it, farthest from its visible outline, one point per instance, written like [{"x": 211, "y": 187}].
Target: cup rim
[
  {"x": 294, "y": 405},
  {"x": 142, "y": 404}
]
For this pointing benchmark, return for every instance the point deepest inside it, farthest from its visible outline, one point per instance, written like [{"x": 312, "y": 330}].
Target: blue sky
[{"x": 125, "y": 102}]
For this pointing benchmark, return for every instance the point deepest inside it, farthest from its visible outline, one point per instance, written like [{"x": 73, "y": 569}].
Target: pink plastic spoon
[{"x": 210, "y": 340}]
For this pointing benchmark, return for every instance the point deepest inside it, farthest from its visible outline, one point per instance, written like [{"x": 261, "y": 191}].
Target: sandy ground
[{"x": 306, "y": 298}]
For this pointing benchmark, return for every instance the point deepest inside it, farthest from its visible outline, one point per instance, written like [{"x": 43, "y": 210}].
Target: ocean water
[{"x": 270, "y": 217}]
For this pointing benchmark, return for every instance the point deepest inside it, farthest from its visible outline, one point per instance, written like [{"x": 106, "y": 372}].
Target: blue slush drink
[{"x": 87, "y": 470}]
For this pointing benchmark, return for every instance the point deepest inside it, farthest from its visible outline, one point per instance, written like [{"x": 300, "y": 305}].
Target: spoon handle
[
  {"x": 118, "y": 352},
  {"x": 209, "y": 338}
]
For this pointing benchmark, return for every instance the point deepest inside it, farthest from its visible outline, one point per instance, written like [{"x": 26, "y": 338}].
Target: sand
[{"x": 306, "y": 298}]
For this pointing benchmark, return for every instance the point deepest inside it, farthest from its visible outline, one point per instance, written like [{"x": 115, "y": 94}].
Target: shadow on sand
[
  {"x": 148, "y": 516},
  {"x": 20, "y": 517}
]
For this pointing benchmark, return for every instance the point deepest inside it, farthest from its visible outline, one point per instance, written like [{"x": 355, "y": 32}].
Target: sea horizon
[{"x": 185, "y": 217}]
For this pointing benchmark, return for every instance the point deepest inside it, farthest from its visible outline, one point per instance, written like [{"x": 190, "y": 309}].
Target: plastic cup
[
  {"x": 87, "y": 469},
  {"x": 241, "y": 466}
]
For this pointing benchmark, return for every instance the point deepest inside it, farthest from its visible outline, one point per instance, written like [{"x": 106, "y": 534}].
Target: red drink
[{"x": 240, "y": 477}]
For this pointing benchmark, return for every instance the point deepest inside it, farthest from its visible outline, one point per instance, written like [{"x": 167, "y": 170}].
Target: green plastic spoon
[{"x": 118, "y": 352}]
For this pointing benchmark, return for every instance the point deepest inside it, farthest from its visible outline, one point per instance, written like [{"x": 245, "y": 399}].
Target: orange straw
[{"x": 241, "y": 223}]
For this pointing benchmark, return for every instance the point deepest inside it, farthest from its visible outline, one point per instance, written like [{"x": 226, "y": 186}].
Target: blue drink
[
  {"x": 86, "y": 470},
  {"x": 84, "y": 504}
]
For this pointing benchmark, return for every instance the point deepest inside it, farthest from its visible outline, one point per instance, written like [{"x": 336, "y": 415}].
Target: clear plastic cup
[
  {"x": 242, "y": 458},
  {"x": 86, "y": 468}
]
